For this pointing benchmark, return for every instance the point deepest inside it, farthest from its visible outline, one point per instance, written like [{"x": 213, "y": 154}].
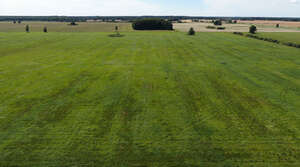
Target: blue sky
[{"x": 275, "y": 8}]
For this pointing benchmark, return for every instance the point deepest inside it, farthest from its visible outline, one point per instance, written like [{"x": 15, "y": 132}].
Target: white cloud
[
  {"x": 77, "y": 7},
  {"x": 146, "y": 7},
  {"x": 294, "y": 1},
  {"x": 252, "y": 8}
]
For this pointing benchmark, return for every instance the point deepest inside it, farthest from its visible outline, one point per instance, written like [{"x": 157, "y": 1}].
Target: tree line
[{"x": 133, "y": 18}]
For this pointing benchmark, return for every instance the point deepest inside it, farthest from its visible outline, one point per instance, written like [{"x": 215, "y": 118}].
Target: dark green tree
[
  {"x": 277, "y": 25},
  {"x": 191, "y": 31},
  {"x": 252, "y": 29},
  {"x": 218, "y": 22},
  {"x": 117, "y": 30},
  {"x": 73, "y": 23},
  {"x": 27, "y": 28},
  {"x": 45, "y": 29},
  {"x": 152, "y": 24}
]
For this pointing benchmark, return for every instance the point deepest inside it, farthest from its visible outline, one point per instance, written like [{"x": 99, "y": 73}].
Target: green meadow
[
  {"x": 148, "y": 99},
  {"x": 293, "y": 37},
  {"x": 37, "y": 26}
]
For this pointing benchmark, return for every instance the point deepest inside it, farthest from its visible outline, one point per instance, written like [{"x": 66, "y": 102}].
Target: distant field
[
  {"x": 283, "y": 37},
  {"x": 64, "y": 27},
  {"x": 126, "y": 27},
  {"x": 148, "y": 99},
  {"x": 287, "y": 24},
  {"x": 241, "y": 27}
]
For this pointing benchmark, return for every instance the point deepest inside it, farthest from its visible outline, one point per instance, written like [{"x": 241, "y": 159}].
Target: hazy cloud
[
  {"x": 77, "y": 7},
  {"x": 252, "y": 8},
  {"x": 294, "y": 1},
  {"x": 152, "y": 7}
]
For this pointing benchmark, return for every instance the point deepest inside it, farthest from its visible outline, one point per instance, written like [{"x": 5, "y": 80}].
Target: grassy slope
[
  {"x": 64, "y": 27},
  {"x": 293, "y": 37},
  {"x": 147, "y": 99}
]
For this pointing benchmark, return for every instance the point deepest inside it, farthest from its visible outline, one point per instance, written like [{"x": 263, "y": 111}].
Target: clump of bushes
[
  {"x": 231, "y": 21},
  {"x": 252, "y": 29},
  {"x": 152, "y": 24},
  {"x": 45, "y": 30},
  {"x": 268, "y": 40},
  {"x": 292, "y": 44},
  {"x": 262, "y": 38},
  {"x": 73, "y": 23},
  {"x": 218, "y": 28},
  {"x": 191, "y": 31},
  {"x": 218, "y": 22},
  {"x": 221, "y": 28},
  {"x": 211, "y": 27},
  {"x": 238, "y": 33}
]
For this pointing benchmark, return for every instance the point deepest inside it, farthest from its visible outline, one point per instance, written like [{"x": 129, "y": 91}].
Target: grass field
[
  {"x": 241, "y": 27},
  {"x": 64, "y": 27},
  {"x": 126, "y": 27},
  {"x": 148, "y": 99},
  {"x": 293, "y": 37}
]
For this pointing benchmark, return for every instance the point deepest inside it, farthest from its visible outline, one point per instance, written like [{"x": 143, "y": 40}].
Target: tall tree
[
  {"x": 27, "y": 28},
  {"x": 252, "y": 29}
]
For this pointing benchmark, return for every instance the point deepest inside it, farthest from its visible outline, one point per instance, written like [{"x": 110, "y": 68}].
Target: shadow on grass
[{"x": 116, "y": 35}]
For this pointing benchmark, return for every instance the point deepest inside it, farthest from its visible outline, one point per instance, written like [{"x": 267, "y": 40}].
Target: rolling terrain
[{"x": 148, "y": 99}]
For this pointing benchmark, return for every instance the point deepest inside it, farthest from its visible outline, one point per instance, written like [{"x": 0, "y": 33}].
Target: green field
[
  {"x": 64, "y": 26},
  {"x": 293, "y": 37},
  {"x": 148, "y": 99}
]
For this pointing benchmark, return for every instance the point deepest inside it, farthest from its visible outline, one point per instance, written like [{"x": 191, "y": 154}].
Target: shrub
[
  {"x": 235, "y": 21},
  {"x": 73, "y": 23},
  {"x": 19, "y": 21},
  {"x": 218, "y": 22},
  {"x": 221, "y": 28},
  {"x": 152, "y": 24},
  {"x": 45, "y": 29},
  {"x": 292, "y": 44},
  {"x": 191, "y": 31},
  {"x": 211, "y": 27},
  {"x": 238, "y": 33},
  {"x": 277, "y": 25},
  {"x": 15, "y": 22},
  {"x": 27, "y": 28},
  {"x": 272, "y": 40},
  {"x": 252, "y": 29}
]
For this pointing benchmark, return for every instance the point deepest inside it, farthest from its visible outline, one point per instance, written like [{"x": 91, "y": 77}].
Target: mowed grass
[
  {"x": 240, "y": 27},
  {"x": 148, "y": 99},
  {"x": 293, "y": 37},
  {"x": 64, "y": 27}
]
